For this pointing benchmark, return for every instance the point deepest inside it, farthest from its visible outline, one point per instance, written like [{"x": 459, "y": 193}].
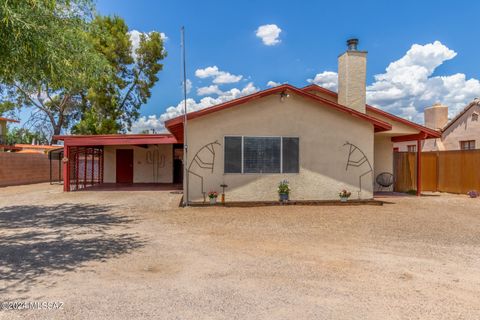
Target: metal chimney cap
[{"x": 352, "y": 44}]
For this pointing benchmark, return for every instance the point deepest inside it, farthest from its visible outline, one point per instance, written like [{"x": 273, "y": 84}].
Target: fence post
[{"x": 419, "y": 167}]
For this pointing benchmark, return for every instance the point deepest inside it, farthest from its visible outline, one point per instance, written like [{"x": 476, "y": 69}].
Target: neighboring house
[
  {"x": 319, "y": 141},
  {"x": 460, "y": 133},
  {"x": 3, "y": 133},
  {"x": 34, "y": 148}
]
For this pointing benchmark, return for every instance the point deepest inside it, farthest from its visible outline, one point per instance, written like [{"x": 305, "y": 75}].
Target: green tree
[
  {"x": 50, "y": 61},
  {"x": 23, "y": 135},
  {"x": 113, "y": 104}
]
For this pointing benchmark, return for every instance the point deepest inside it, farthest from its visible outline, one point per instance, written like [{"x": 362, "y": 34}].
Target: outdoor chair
[{"x": 384, "y": 181}]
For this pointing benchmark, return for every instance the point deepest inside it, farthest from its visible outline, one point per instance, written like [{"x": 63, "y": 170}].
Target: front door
[{"x": 124, "y": 166}]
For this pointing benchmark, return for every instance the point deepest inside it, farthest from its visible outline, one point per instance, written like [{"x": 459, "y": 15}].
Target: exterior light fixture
[{"x": 284, "y": 95}]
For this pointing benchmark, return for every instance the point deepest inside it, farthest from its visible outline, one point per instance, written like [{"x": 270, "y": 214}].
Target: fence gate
[
  {"x": 445, "y": 171},
  {"x": 85, "y": 166}
]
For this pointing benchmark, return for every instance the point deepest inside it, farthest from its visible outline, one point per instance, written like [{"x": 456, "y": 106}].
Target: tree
[
  {"x": 50, "y": 62},
  {"x": 114, "y": 103},
  {"x": 25, "y": 136}
]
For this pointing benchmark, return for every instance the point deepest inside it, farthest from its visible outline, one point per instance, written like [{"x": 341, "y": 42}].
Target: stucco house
[
  {"x": 460, "y": 133},
  {"x": 320, "y": 141}
]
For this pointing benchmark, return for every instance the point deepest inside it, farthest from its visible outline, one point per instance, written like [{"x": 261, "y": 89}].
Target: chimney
[
  {"x": 352, "y": 74},
  {"x": 436, "y": 116}
]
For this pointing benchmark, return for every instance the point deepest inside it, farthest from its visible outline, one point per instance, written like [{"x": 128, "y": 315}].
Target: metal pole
[{"x": 185, "y": 145}]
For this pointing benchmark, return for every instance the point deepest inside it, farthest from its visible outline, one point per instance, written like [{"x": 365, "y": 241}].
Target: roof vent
[{"x": 352, "y": 44}]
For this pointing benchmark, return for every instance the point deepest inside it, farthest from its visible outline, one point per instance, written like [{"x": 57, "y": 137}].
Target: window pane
[
  {"x": 290, "y": 155},
  {"x": 233, "y": 155},
  {"x": 261, "y": 155}
]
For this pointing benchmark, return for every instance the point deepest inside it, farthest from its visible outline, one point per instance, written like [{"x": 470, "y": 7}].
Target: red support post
[
  {"x": 419, "y": 167},
  {"x": 66, "y": 168}
]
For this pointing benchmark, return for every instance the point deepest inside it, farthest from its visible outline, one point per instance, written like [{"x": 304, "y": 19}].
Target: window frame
[
  {"x": 243, "y": 156},
  {"x": 414, "y": 146},
  {"x": 469, "y": 143}
]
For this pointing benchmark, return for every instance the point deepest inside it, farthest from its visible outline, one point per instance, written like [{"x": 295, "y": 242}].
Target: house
[
  {"x": 320, "y": 141},
  {"x": 460, "y": 133},
  {"x": 33, "y": 148},
  {"x": 3, "y": 133}
]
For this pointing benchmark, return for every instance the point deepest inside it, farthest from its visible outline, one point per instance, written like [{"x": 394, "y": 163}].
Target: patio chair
[{"x": 384, "y": 181}]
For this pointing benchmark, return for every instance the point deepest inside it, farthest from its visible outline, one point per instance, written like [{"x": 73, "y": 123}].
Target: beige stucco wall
[
  {"x": 383, "y": 155},
  {"x": 144, "y": 169},
  {"x": 322, "y": 132}
]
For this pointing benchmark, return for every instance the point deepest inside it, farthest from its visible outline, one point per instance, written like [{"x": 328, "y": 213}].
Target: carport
[{"x": 120, "y": 160}]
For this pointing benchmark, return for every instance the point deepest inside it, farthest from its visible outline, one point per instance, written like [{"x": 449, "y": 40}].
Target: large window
[
  {"x": 261, "y": 155},
  {"x": 467, "y": 145}
]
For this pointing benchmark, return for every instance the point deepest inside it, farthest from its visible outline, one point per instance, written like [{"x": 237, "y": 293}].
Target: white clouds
[
  {"x": 219, "y": 77},
  {"x": 326, "y": 79},
  {"x": 147, "y": 124},
  {"x": 157, "y": 123},
  {"x": 212, "y": 89},
  {"x": 269, "y": 33},
  {"x": 188, "y": 85},
  {"x": 272, "y": 84},
  {"x": 407, "y": 86}
]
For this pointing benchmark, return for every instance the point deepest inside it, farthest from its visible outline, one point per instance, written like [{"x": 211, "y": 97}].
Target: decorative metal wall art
[
  {"x": 357, "y": 158},
  {"x": 203, "y": 162}
]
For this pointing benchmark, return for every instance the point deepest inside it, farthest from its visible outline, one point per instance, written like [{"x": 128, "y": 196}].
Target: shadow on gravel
[{"x": 38, "y": 241}]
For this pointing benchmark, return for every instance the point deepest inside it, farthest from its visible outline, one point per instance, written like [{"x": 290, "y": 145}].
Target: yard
[{"x": 126, "y": 255}]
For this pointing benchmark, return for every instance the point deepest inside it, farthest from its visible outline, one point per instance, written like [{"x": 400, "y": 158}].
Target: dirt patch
[{"x": 131, "y": 255}]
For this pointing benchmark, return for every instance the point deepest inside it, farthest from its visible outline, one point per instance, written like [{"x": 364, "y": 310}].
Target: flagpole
[{"x": 185, "y": 145}]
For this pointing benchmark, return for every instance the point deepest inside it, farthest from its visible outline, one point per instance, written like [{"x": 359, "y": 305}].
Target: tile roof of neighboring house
[
  {"x": 35, "y": 146},
  {"x": 475, "y": 102},
  {"x": 8, "y": 119},
  {"x": 175, "y": 125},
  {"x": 429, "y": 132}
]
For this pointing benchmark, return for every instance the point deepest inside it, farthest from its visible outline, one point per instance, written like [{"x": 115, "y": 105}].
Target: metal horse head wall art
[
  {"x": 203, "y": 163},
  {"x": 358, "y": 159}
]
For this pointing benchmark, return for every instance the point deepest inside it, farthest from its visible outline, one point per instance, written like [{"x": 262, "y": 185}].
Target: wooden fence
[{"x": 445, "y": 171}]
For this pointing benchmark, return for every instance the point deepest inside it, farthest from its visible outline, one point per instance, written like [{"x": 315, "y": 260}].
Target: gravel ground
[{"x": 119, "y": 255}]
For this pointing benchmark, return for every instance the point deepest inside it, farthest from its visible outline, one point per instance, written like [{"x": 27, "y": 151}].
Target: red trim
[
  {"x": 419, "y": 167},
  {"x": 410, "y": 137},
  {"x": 175, "y": 125},
  {"x": 430, "y": 132},
  {"x": 8, "y": 120},
  {"x": 116, "y": 139},
  {"x": 66, "y": 169}
]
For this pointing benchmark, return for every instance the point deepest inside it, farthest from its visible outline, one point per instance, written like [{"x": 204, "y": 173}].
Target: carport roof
[{"x": 116, "y": 139}]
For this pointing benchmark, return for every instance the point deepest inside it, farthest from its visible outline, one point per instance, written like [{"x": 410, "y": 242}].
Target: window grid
[
  {"x": 467, "y": 145},
  {"x": 243, "y": 156}
]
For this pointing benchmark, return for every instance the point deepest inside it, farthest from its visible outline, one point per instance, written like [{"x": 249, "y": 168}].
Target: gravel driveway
[{"x": 129, "y": 255}]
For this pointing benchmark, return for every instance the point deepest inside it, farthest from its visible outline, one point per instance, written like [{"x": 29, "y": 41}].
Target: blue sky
[{"x": 313, "y": 34}]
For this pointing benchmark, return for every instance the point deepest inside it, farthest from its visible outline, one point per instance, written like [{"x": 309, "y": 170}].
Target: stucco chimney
[
  {"x": 436, "y": 116},
  {"x": 352, "y": 73}
]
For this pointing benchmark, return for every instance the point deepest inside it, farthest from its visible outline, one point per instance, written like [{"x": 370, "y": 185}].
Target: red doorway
[{"x": 124, "y": 165}]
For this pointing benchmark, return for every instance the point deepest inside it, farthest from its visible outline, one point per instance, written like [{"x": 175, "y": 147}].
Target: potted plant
[
  {"x": 473, "y": 193},
  {"x": 213, "y": 197},
  {"x": 344, "y": 195},
  {"x": 283, "y": 190}
]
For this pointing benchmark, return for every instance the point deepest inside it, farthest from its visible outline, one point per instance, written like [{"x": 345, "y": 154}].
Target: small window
[
  {"x": 467, "y": 145},
  {"x": 412, "y": 148}
]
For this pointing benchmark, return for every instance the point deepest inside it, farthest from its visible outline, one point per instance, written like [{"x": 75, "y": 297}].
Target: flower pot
[
  {"x": 343, "y": 199},
  {"x": 213, "y": 200},
  {"x": 283, "y": 197}
]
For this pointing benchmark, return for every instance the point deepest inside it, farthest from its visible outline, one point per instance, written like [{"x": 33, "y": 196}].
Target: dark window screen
[
  {"x": 233, "y": 155},
  {"x": 261, "y": 155},
  {"x": 290, "y": 155}
]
